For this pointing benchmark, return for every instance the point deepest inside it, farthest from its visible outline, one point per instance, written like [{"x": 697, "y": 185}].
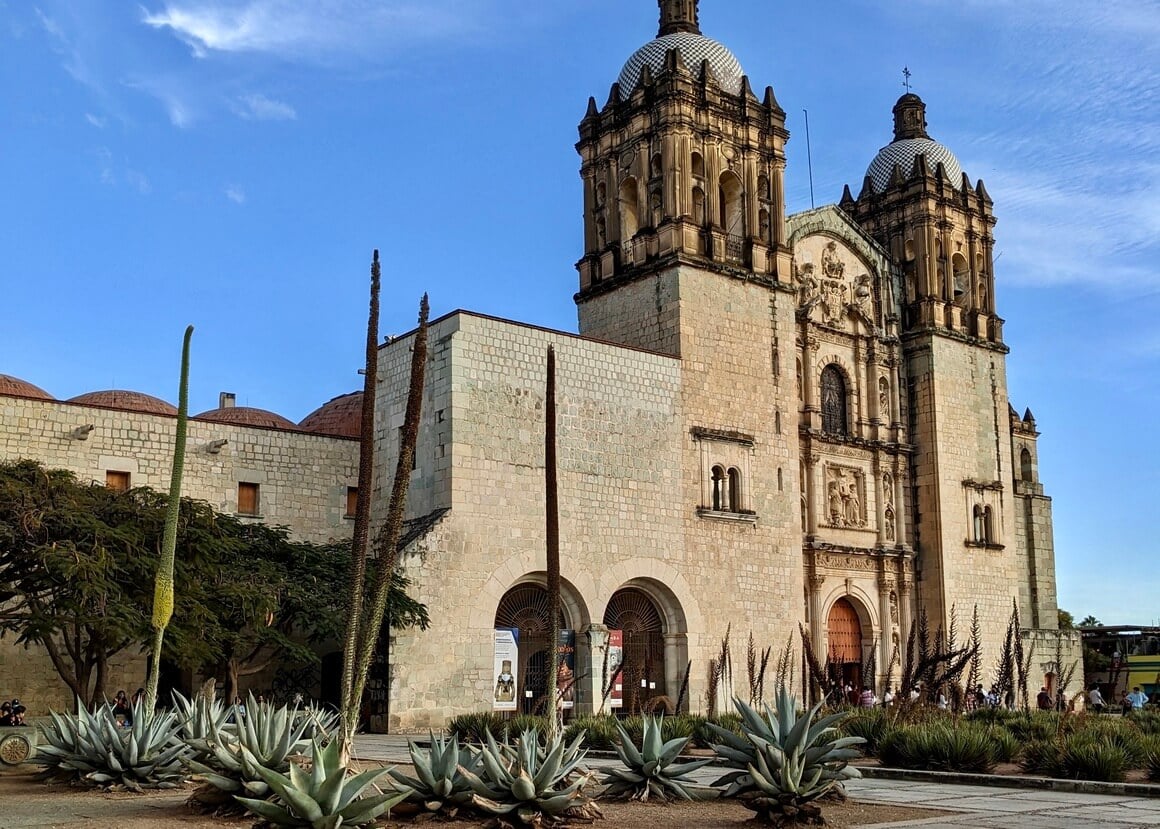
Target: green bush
[
  {"x": 871, "y": 724},
  {"x": 1147, "y": 720},
  {"x": 525, "y": 722},
  {"x": 1084, "y": 757},
  {"x": 1040, "y": 757},
  {"x": 1121, "y": 733},
  {"x": 599, "y": 731},
  {"x": 1033, "y": 725},
  {"x": 1008, "y": 747},
  {"x": 1154, "y": 760},
  {"x": 964, "y": 746},
  {"x": 474, "y": 727}
]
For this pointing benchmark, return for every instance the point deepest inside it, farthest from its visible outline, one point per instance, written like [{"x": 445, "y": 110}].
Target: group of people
[
  {"x": 1129, "y": 702},
  {"x": 123, "y": 706},
  {"x": 849, "y": 695},
  {"x": 11, "y": 714}
]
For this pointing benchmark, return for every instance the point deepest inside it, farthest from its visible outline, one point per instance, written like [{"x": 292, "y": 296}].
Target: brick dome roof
[
  {"x": 247, "y": 416},
  {"x": 131, "y": 401},
  {"x": 341, "y": 416},
  {"x": 22, "y": 388}
]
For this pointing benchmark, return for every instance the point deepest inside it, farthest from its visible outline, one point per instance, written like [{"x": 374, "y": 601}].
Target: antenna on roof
[{"x": 809, "y": 158}]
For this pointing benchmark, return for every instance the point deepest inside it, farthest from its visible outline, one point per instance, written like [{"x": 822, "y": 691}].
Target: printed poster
[
  {"x": 506, "y": 662},
  {"x": 615, "y": 660},
  {"x": 566, "y": 673}
]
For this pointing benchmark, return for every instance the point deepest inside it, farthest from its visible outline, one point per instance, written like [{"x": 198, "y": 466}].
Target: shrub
[
  {"x": 474, "y": 727},
  {"x": 1084, "y": 757},
  {"x": 1008, "y": 747},
  {"x": 964, "y": 746},
  {"x": 1040, "y": 757},
  {"x": 526, "y": 722},
  {"x": 704, "y": 736},
  {"x": 1122, "y": 733},
  {"x": 1154, "y": 761},
  {"x": 870, "y": 724},
  {"x": 1033, "y": 725},
  {"x": 1147, "y": 720},
  {"x": 599, "y": 731}
]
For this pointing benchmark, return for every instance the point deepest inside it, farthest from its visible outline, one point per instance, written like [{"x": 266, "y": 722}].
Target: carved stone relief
[{"x": 845, "y": 497}]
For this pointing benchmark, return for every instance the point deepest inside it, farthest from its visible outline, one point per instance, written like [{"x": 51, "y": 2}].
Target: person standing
[
  {"x": 1137, "y": 699},
  {"x": 1096, "y": 699},
  {"x": 1043, "y": 700}
]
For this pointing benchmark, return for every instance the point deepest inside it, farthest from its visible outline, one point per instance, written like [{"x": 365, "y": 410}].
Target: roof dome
[
  {"x": 22, "y": 388},
  {"x": 910, "y": 141},
  {"x": 131, "y": 401},
  {"x": 341, "y": 416},
  {"x": 904, "y": 152},
  {"x": 693, "y": 48},
  {"x": 247, "y": 416}
]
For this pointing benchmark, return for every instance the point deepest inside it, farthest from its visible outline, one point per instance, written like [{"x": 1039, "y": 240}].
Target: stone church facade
[{"x": 764, "y": 421}]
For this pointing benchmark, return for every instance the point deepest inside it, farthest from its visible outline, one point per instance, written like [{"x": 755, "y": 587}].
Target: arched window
[
  {"x": 961, "y": 278},
  {"x": 654, "y": 167},
  {"x": 988, "y": 526},
  {"x": 1025, "y": 470},
  {"x": 732, "y": 216},
  {"x": 833, "y": 401},
  {"x": 717, "y": 484},
  {"x": 734, "y": 490},
  {"x": 629, "y": 209},
  {"x": 698, "y": 165},
  {"x": 980, "y": 527}
]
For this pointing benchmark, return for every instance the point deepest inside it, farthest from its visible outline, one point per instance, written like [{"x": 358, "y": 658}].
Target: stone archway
[
  {"x": 844, "y": 643},
  {"x": 633, "y": 612}
]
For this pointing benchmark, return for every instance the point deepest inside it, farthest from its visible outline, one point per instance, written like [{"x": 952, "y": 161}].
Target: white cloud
[
  {"x": 295, "y": 30},
  {"x": 236, "y": 194},
  {"x": 258, "y": 107},
  {"x": 96, "y": 120},
  {"x": 139, "y": 182}
]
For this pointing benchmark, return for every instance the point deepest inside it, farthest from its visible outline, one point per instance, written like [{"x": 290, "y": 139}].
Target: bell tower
[{"x": 682, "y": 165}]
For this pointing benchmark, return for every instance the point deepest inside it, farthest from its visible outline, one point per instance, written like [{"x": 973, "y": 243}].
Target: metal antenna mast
[{"x": 809, "y": 158}]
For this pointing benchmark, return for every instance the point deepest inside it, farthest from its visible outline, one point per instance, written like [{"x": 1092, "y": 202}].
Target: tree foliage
[{"x": 76, "y": 577}]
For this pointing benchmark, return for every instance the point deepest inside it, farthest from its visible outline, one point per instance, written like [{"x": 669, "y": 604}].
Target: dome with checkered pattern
[{"x": 693, "y": 49}]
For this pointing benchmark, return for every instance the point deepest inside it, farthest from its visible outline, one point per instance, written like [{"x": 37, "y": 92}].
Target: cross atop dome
[{"x": 678, "y": 16}]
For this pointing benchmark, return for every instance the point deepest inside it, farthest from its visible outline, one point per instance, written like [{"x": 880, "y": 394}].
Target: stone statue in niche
[
  {"x": 809, "y": 291},
  {"x": 864, "y": 298},
  {"x": 837, "y": 511},
  {"x": 601, "y": 233},
  {"x": 888, "y": 530},
  {"x": 655, "y": 204},
  {"x": 893, "y": 607},
  {"x": 883, "y": 398},
  {"x": 888, "y": 488}
]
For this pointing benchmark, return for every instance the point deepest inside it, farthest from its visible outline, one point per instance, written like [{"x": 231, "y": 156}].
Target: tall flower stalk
[{"x": 163, "y": 584}]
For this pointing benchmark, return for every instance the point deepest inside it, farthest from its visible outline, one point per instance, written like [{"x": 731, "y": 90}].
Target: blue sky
[{"x": 232, "y": 163}]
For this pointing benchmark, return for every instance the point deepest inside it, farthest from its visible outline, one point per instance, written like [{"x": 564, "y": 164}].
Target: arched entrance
[
  {"x": 844, "y": 633},
  {"x": 632, "y": 611},
  {"x": 525, "y": 608}
]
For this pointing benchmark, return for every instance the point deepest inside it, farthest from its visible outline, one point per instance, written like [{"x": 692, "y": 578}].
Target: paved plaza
[{"x": 986, "y": 807}]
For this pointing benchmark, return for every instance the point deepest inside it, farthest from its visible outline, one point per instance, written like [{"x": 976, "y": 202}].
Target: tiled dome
[
  {"x": 341, "y": 416},
  {"x": 22, "y": 388},
  {"x": 247, "y": 416},
  {"x": 904, "y": 152},
  {"x": 693, "y": 49},
  {"x": 131, "y": 401}
]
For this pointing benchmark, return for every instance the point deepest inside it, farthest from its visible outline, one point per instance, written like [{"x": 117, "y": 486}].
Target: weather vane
[{"x": 906, "y": 77}]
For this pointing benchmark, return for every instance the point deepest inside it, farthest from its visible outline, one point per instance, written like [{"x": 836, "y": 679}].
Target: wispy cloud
[
  {"x": 236, "y": 194},
  {"x": 114, "y": 173},
  {"x": 294, "y": 30},
  {"x": 73, "y": 57},
  {"x": 171, "y": 93},
  {"x": 96, "y": 120},
  {"x": 260, "y": 108}
]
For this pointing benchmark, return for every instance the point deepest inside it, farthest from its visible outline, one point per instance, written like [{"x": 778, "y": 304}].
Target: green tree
[
  {"x": 1090, "y": 621},
  {"x": 76, "y": 570},
  {"x": 1066, "y": 620}
]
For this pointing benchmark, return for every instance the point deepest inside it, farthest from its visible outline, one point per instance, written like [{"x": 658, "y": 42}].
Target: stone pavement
[{"x": 982, "y": 807}]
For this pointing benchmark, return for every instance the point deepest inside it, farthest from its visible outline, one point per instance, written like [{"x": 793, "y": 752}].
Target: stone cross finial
[{"x": 678, "y": 16}]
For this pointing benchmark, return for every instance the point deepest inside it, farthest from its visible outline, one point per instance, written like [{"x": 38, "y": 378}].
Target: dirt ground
[{"x": 25, "y": 803}]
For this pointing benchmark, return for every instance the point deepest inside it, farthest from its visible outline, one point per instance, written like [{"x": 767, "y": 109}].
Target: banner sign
[
  {"x": 566, "y": 674},
  {"x": 615, "y": 660},
  {"x": 505, "y": 668}
]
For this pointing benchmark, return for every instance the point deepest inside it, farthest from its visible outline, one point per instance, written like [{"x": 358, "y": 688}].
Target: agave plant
[
  {"x": 231, "y": 756},
  {"x": 439, "y": 785},
  {"x": 784, "y": 763},
  {"x": 533, "y": 784},
  {"x": 199, "y": 717},
  {"x": 93, "y": 748},
  {"x": 651, "y": 769},
  {"x": 322, "y": 798}
]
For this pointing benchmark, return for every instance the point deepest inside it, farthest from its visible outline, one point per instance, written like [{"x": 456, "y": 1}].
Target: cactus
[
  {"x": 532, "y": 784},
  {"x": 651, "y": 770},
  {"x": 439, "y": 785},
  {"x": 783, "y": 763},
  {"x": 322, "y": 798},
  {"x": 92, "y": 748},
  {"x": 163, "y": 585}
]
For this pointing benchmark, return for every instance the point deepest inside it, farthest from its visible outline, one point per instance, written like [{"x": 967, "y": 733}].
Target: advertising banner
[
  {"x": 506, "y": 665},
  {"x": 566, "y": 675},
  {"x": 615, "y": 660}
]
